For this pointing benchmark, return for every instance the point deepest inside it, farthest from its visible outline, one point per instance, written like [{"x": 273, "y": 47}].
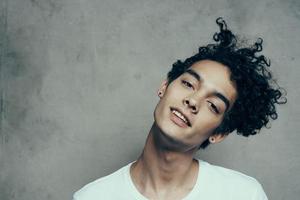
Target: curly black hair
[{"x": 257, "y": 91}]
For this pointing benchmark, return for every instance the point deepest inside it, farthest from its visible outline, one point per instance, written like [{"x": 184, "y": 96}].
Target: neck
[{"x": 158, "y": 168}]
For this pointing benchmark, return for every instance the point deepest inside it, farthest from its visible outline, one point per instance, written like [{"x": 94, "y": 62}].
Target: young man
[{"x": 221, "y": 89}]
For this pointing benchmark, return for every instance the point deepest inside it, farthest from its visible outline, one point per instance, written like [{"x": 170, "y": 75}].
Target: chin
[
  {"x": 168, "y": 143},
  {"x": 166, "y": 137},
  {"x": 167, "y": 132},
  {"x": 166, "y": 126}
]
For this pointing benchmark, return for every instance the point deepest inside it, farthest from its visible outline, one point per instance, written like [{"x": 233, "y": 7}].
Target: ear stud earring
[{"x": 211, "y": 139}]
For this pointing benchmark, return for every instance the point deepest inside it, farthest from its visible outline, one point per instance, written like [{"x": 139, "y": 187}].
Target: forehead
[{"x": 216, "y": 76}]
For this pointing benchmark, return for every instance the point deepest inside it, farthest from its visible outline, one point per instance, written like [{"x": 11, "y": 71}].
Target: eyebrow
[
  {"x": 217, "y": 94},
  {"x": 194, "y": 74},
  {"x": 223, "y": 98}
]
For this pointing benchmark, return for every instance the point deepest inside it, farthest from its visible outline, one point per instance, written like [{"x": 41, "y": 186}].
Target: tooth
[{"x": 180, "y": 116}]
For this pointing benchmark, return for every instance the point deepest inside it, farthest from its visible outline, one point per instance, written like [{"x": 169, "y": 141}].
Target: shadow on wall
[
  {"x": 22, "y": 78},
  {"x": 23, "y": 65}
]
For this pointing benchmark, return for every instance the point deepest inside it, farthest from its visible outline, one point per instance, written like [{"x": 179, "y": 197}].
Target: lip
[{"x": 177, "y": 120}]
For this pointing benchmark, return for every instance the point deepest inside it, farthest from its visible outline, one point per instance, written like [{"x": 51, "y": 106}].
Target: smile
[{"x": 180, "y": 118}]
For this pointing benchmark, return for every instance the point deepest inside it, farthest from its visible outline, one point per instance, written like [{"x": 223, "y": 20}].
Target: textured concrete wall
[{"x": 79, "y": 79}]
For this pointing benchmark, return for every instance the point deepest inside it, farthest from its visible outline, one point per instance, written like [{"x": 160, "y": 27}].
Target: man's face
[{"x": 193, "y": 106}]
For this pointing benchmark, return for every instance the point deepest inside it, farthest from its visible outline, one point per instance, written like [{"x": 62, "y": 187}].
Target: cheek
[
  {"x": 170, "y": 98},
  {"x": 206, "y": 123},
  {"x": 157, "y": 111},
  {"x": 160, "y": 109}
]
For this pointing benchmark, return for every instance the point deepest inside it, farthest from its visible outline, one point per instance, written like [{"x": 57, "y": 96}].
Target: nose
[{"x": 191, "y": 103}]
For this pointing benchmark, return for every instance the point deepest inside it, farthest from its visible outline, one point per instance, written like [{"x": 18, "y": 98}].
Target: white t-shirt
[{"x": 213, "y": 183}]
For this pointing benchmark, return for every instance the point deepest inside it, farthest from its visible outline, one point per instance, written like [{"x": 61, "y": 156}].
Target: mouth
[{"x": 181, "y": 119}]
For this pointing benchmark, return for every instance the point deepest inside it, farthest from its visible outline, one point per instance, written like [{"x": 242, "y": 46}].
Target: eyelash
[
  {"x": 214, "y": 107},
  {"x": 187, "y": 84}
]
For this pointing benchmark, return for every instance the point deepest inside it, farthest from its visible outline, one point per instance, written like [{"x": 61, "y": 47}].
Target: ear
[
  {"x": 162, "y": 89},
  {"x": 216, "y": 138}
]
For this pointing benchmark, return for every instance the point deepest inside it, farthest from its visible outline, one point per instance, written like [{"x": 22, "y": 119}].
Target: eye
[
  {"x": 214, "y": 107},
  {"x": 187, "y": 84}
]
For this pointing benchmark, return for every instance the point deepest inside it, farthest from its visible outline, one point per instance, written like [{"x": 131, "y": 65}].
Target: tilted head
[{"x": 254, "y": 93}]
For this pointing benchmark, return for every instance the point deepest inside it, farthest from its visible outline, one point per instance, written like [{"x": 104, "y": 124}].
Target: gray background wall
[{"x": 79, "y": 80}]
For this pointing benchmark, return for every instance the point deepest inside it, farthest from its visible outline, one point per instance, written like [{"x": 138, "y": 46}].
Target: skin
[{"x": 166, "y": 168}]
